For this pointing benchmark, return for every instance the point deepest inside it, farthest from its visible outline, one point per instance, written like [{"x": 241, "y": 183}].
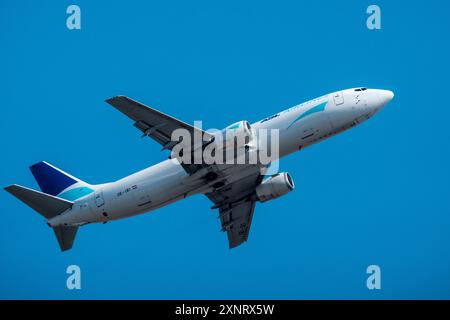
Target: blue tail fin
[{"x": 52, "y": 180}]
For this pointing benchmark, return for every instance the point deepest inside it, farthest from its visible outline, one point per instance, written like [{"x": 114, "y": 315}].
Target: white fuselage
[{"x": 167, "y": 181}]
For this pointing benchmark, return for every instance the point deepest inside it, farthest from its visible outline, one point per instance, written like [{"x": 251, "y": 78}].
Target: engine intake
[
  {"x": 241, "y": 130},
  {"x": 235, "y": 137},
  {"x": 274, "y": 187}
]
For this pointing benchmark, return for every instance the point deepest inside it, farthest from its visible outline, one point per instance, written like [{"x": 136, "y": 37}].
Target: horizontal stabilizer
[
  {"x": 47, "y": 205},
  {"x": 65, "y": 236}
]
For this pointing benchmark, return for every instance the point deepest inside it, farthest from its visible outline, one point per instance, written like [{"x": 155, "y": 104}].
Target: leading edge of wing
[{"x": 137, "y": 111}]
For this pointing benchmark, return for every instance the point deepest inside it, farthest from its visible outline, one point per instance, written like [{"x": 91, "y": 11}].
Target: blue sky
[{"x": 377, "y": 194}]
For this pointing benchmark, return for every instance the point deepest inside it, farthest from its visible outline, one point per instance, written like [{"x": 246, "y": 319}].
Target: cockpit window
[{"x": 361, "y": 89}]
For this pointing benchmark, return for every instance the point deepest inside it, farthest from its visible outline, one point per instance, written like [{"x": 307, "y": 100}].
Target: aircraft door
[
  {"x": 99, "y": 201},
  {"x": 338, "y": 98},
  {"x": 142, "y": 197}
]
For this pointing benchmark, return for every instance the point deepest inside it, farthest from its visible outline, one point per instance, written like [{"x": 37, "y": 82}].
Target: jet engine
[
  {"x": 274, "y": 187},
  {"x": 240, "y": 130}
]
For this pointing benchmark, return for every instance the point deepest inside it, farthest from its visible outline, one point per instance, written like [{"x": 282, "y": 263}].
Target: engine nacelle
[
  {"x": 238, "y": 134},
  {"x": 239, "y": 129},
  {"x": 274, "y": 187}
]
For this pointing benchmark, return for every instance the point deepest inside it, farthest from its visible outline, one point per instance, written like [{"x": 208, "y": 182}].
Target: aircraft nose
[{"x": 384, "y": 97}]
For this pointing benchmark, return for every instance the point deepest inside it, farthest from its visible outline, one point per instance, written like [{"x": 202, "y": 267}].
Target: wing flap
[
  {"x": 236, "y": 205},
  {"x": 237, "y": 221}
]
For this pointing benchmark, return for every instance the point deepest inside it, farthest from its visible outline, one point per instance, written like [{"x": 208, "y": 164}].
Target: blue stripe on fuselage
[
  {"x": 320, "y": 107},
  {"x": 75, "y": 193}
]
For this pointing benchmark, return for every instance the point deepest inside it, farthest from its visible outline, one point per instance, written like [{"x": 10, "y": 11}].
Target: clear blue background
[{"x": 377, "y": 194}]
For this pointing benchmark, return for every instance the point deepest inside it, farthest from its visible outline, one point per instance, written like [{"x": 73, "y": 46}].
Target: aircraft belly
[{"x": 148, "y": 190}]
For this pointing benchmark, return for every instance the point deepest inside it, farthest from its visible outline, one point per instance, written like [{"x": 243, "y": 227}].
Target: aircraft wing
[
  {"x": 153, "y": 123},
  {"x": 236, "y": 206},
  {"x": 234, "y": 199}
]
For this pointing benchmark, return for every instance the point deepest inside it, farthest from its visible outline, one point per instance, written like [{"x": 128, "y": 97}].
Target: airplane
[{"x": 67, "y": 202}]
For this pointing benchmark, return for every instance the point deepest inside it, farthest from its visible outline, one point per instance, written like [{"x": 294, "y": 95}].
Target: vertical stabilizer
[{"x": 56, "y": 182}]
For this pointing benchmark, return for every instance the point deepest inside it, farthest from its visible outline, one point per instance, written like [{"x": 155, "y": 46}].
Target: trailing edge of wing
[
  {"x": 237, "y": 221},
  {"x": 153, "y": 123},
  {"x": 236, "y": 205}
]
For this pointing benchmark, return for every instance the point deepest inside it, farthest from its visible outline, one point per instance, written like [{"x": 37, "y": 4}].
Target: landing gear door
[
  {"x": 99, "y": 201},
  {"x": 338, "y": 98}
]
